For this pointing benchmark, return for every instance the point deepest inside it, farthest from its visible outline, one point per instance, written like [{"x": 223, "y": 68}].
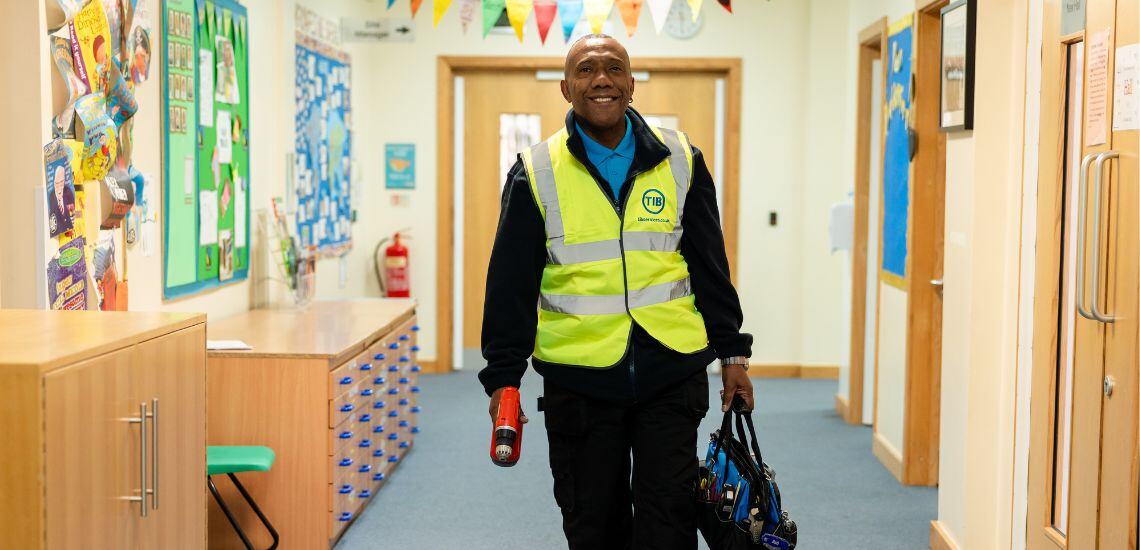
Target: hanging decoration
[
  {"x": 694, "y": 6},
  {"x": 467, "y": 12},
  {"x": 416, "y": 6},
  {"x": 544, "y": 11},
  {"x": 659, "y": 10},
  {"x": 569, "y": 12},
  {"x": 439, "y": 7},
  {"x": 517, "y": 13},
  {"x": 727, "y": 4},
  {"x": 492, "y": 9},
  {"x": 597, "y": 11},
  {"x": 630, "y": 11}
]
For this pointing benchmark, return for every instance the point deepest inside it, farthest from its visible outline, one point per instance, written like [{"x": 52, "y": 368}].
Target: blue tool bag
[{"x": 738, "y": 502}]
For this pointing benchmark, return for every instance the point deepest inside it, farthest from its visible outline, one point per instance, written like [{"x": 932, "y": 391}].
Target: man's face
[{"x": 598, "y": 81}]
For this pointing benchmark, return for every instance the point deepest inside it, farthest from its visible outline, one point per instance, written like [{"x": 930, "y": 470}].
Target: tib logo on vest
[{"x": 653, "y": 201}]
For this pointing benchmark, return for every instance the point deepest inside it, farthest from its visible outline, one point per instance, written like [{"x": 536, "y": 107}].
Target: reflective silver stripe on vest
[
  {"x": 560, "y": 253},
  {"x": 571, "y": 304},
  {"x": 680, "y": 168},
  {"x": 547, "y": 191},
  {"x": 652, "y": 241}
]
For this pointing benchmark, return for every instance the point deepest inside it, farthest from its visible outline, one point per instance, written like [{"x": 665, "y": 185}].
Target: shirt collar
[{"x": 625, "y": 147}]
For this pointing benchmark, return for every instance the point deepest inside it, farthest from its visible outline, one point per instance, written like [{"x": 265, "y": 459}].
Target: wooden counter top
[
  {"x": 322, "y": 330},
  {"x": 49, "y": 339}
]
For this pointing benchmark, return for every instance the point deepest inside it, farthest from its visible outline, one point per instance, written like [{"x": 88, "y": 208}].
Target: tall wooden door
[
  {"x": 1083, "y": 449},
  {"x": 671, "y": 99}
]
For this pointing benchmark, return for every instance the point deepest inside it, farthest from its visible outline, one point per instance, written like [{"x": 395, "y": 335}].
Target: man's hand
[
  {"x": 493, "y": 408},
  {"x": 736, "y": 382}
]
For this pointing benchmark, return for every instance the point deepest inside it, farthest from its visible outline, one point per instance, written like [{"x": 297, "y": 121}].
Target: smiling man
[{"x": 611, "y": 227}]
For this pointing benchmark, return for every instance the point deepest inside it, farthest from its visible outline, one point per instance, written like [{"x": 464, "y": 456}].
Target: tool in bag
[{"x": 738, "y": 501}]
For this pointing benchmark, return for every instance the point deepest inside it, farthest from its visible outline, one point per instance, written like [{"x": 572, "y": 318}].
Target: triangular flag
[
  {"x": 659, "y": 9},
  {"x": 727, "y": 4},
  {"x": 597, "y": 11},
  {"x": 439, "y": 7},
  {"x": 517, "y": 12},
  {"x": 467, "y": 13},
  {"x": 416, "y": 6},
  {"x": 390, "y": 3},
  {"x": 544, "y": 15},
  {"x": 630, "y": 11},
  {"x": 492, "y": 9},
  {"x": 694, "y": 6},
  {"x": 569, "y": 12}
]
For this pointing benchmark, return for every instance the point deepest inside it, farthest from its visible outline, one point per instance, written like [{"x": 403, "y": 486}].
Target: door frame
[
  {"x": 446, "y": 69},
  {"x": 872, "y": 46}
]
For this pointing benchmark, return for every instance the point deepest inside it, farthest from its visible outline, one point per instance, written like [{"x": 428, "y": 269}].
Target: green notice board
[{"x": 206, "y": 141}]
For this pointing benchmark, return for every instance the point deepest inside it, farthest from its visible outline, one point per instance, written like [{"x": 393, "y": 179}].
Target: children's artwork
[
  {"x": 120, "y": 97},
  {"x": 97, "y": 132},
  {"x": 60, "y": 12},
  {"x": 91, "y": 45},
  {"x": 60, "y": 188},
  {"x": 896, "y": 152},
  {"x": 116, "y": 197},
  {"x": 138, "y": 42},
  {"x": 323, "y": 146},
  {"x": 207, "y": 149},
  {"x": 66, "y": 87},
  {"x": 67, "y": 277},
  {"x": 106, "y": 272}
]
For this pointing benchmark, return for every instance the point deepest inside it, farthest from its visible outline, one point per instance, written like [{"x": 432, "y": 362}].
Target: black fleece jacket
[{"x": 510, "y": 315}]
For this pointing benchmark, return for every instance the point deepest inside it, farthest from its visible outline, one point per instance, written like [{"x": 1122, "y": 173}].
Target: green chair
[{"x": 230, "y": 460}]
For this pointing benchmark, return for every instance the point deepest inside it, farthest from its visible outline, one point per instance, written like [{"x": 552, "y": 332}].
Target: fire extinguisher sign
[{"x": 400, "y": 165}]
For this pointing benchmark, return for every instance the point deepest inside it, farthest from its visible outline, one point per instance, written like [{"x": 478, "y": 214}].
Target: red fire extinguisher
[{"x": 394, "y": 281}]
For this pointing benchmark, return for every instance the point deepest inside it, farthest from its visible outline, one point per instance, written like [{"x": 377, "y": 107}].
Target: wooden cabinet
[
  {"x": 332, "y": 389},
  {"x": 102, "y": 406}
]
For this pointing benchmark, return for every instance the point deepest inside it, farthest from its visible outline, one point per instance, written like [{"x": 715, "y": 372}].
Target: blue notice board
[
  {"x": 400, "y": 165},
  {"x": 896, "y": 152}
]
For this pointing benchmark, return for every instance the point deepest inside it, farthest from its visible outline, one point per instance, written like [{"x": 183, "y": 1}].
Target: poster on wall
[
  {"x": 323, "y": 143},
  {"x": 206, "y": 130},
  {"x": 896, "y": 152},
  {"x": 400, "y": 166}
]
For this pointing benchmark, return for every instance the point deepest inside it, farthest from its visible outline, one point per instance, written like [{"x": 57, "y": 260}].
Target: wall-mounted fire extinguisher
[{"x": 392, "y": 269}]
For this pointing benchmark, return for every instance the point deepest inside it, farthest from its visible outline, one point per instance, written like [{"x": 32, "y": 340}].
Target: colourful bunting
[
  {"x": 727, "y": 4},
  {"x": 416, "y": 6},
  {"x": 569, "y": 12},
  {"x": 597, "y": 11},
  {"x": 544, "y": 15},
  {"x": 659, "y": 9},
  {"x": 517, "y": 13},
  {"x": 439, "y": 7},
  {"x": 630, "y": 11},
  {"x": 694, "y": 6},
  {"x": 492, "y": 9},
  {"x": 467, "y": 13}
]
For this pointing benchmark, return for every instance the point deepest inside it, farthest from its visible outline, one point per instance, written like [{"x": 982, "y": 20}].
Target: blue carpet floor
[{"x": 447, "y": 494}]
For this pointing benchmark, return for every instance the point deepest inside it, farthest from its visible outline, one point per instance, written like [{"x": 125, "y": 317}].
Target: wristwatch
[{"x": 738, "y": 360}]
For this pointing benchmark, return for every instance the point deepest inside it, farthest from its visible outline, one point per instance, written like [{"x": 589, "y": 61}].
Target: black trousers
[{"x": 610, "y": 501}]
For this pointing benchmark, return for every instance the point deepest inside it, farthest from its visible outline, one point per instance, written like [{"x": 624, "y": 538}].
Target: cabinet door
[
  {"x": 92, "y": 454},
  {"x": 172, "y": 374}
]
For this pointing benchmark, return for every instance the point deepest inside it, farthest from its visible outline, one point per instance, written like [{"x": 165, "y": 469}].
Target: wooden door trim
[
  {"x": 921, "y": 408},
  {"x": 871, "y": 40},
  {"x": 448, "y": 66}
]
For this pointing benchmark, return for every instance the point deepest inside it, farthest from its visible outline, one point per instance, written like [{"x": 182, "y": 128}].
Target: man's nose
[{"x": 602, "y": 80}]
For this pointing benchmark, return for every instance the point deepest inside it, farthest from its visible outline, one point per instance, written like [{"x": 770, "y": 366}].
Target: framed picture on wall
[{"x": 956, "y": 105}]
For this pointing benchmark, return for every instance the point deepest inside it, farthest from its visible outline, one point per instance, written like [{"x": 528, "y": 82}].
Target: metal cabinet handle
[
  {"x": 1099, "y": 168},
  {"x": 154, "y": 453},
  {"x": 141, "y": 421},
  {"x": 1082, "y": 214}
]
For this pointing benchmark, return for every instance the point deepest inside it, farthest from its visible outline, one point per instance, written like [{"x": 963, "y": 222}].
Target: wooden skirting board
[
  {"x": 888, "y": 456},
  {"x": 841, "y": 406},
  {"x": 939, "y": 538},
  {"x": 794, "y": 371}
]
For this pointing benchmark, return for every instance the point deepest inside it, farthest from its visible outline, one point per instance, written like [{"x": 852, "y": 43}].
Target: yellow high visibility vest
[{"x": 603, "y": 272}]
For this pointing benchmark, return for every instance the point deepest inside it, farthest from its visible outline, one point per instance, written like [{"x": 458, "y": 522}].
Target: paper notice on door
[
  {"x": 1096, "y": 100},
  {"x": 1126, "y": 92}
]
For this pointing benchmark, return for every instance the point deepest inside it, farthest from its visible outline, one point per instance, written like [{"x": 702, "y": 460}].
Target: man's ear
[
  {"x": 632, "y": 82},
  {"x": 565, "y": 91}
]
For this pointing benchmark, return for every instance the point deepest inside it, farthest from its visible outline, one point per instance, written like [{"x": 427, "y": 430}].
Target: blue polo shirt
[{"x": 612, "y": 164}]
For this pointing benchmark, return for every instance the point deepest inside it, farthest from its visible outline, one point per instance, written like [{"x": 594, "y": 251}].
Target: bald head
[{"x": 599, "y": 83}]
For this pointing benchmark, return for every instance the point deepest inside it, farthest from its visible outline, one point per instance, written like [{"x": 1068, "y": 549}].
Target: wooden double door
[{"x": 1083, "y": 449}]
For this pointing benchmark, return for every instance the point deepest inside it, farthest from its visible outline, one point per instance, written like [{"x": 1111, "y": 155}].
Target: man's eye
[{"x": 584, "y": 69}]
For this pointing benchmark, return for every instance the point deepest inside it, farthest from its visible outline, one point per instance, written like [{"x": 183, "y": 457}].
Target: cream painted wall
[
  {"x": 400, "y": 84},
  {"x": 891, "y": 390}
]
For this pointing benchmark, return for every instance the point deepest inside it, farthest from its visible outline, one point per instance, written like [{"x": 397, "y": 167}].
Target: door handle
[
  {"x": 141, "y": 421},
  {"x": 154, "y": 453},
  {"x": 1082, "y": 214},
  {"x": 937, "y": 284},
  {"x": 1099, "y": 167}
]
